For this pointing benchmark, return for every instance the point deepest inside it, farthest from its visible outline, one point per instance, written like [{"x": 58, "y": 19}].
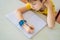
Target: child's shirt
[{"x": 28, "y": 6}]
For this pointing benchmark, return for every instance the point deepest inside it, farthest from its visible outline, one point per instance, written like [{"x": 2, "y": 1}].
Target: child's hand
[
  {"x": 29, "y": 29},
  {"x": 48, "y": 4}
]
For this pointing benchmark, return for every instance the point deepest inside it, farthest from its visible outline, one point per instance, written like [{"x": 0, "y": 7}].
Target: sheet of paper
[{"x": 31, "y": 18}]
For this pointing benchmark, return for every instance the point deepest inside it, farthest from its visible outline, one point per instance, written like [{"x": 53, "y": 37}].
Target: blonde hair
[{"x": 31, "y": 0}]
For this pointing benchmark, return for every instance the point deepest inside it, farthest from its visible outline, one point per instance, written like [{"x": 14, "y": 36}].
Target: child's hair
[
  {"x": 31, "y": 0},
  {"x": 35, "y": 0},
  {"x": 28, "y": 0}
]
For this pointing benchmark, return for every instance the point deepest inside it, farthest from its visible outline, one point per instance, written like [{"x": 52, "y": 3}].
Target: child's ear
[{"x": 24, "y": 1}]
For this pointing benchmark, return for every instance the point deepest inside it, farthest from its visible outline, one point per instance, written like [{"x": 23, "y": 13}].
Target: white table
[{"x": 9, "y": 32}]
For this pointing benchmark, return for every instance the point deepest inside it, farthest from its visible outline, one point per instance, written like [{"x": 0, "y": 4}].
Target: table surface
[{"x": 8, "y": 31}]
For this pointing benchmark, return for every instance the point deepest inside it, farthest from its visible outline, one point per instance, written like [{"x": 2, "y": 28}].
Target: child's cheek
[{"x": 35, "y": 6}]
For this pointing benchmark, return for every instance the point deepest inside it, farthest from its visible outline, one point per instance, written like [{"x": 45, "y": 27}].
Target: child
[{"x": 43, "y": 6}]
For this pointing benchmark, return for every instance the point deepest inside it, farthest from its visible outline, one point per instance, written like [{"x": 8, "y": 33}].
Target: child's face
[{"x": 37, "y": 4}]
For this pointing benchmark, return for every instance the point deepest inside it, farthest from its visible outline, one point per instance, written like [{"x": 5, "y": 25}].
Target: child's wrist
[
  {"x": 22, "y": 22},
  {"x": 50, "y": 8}
]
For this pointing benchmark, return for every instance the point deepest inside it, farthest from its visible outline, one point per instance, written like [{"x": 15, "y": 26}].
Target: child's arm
[
  {"x": 20, "y": 12},
  {"x": 25, "y": 1},
  {"x": 51, "y": 14},
  {"x": 51, "y": 17},
  {"x": 19, "y": 15}
]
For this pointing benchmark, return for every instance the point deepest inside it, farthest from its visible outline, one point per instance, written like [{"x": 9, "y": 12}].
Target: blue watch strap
[{"x": 21, "y": 22}]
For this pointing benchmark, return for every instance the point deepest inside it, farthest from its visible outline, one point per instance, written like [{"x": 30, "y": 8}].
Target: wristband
[{"x": 21, "y": 23}]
